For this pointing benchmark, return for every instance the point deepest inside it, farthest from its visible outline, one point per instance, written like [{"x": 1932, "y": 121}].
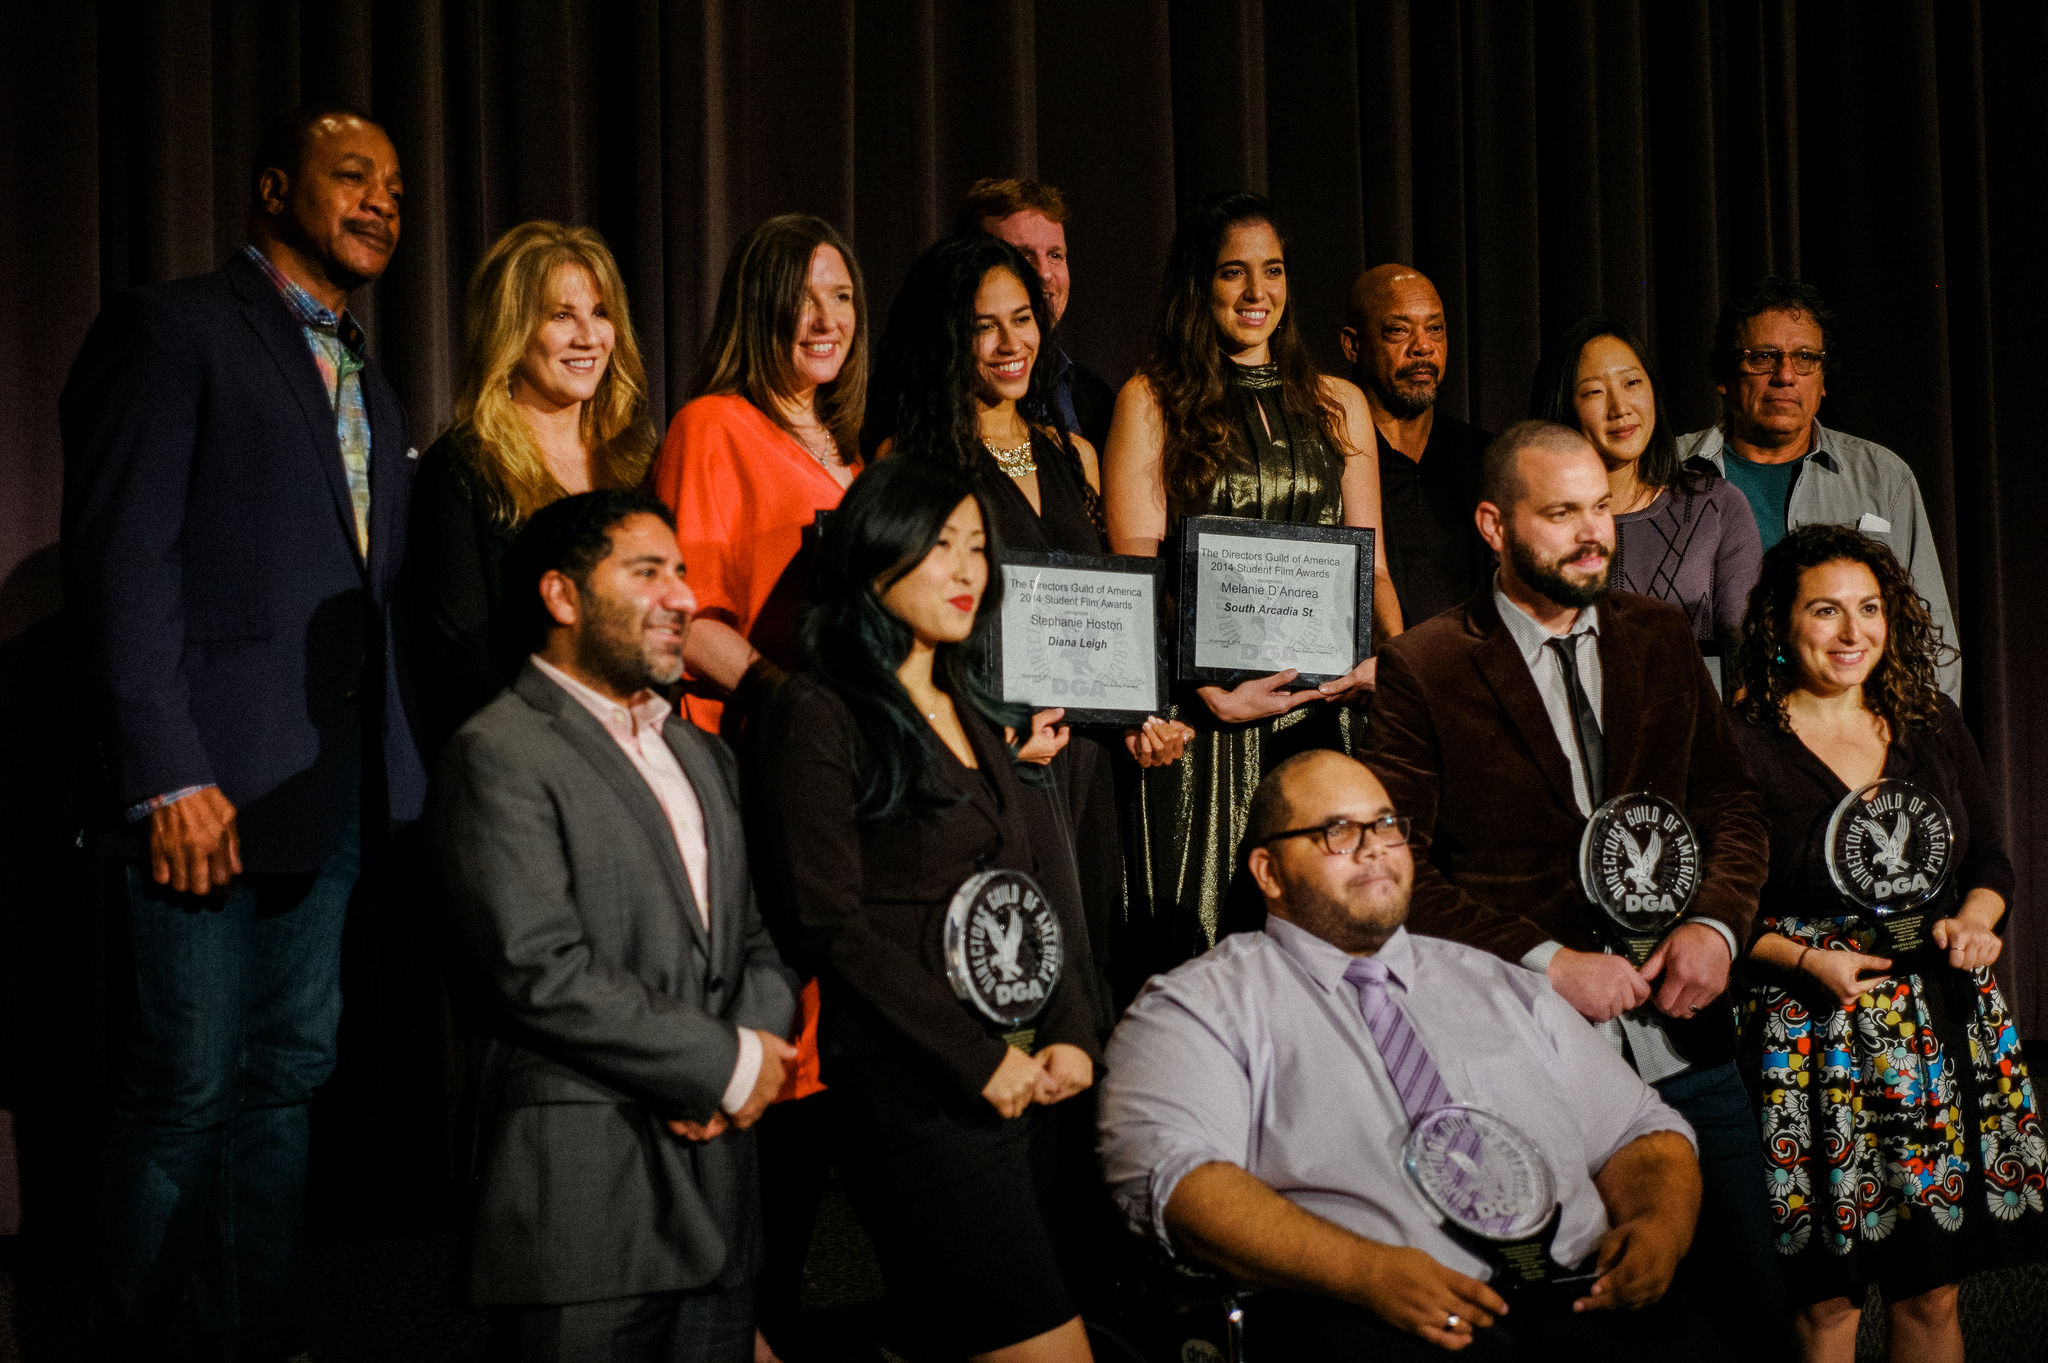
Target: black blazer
[
  {"x": 231, "y": 631},
  {"x": 464, "y": 644},
  {"x": 863, "y": 903}
]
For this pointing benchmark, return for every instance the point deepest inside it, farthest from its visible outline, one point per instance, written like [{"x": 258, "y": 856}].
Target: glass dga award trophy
[
  {"x": 1498, "y": 1198},
  {"x": 1003, "y": 951},
  {"x": 1639, "y": 862},
  {"x": 1889, "y": 848}
]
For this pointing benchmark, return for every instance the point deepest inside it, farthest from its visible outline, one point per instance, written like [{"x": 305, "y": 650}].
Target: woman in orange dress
[{"x": 771, "y": 439}]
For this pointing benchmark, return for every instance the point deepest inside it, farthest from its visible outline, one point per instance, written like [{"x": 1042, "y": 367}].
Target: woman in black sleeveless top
[{"x": 957, "y": 384}]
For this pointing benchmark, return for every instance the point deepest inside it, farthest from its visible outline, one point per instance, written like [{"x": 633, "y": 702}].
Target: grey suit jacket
[{"x": 606, "y": 1006}]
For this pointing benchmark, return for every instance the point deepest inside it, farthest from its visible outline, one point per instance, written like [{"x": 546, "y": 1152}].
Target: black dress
[
  {"x": 959, "y": 1201},
  {"x": 1903, "y": 1145},
  {"x": 465, "y": 653},
  {"x": 1084, "y": 810}
]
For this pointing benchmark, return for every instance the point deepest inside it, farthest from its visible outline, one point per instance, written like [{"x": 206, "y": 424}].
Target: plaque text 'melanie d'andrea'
[{"x": 1267, "y": 604}]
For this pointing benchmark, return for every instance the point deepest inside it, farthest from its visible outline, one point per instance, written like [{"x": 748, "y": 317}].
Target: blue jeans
[
  {"x": 202, "y": 1197},
  {"x": 1731, "y": 1272}
]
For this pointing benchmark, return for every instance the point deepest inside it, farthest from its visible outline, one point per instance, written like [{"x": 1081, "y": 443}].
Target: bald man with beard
[{"x": 1398, "y": 346}]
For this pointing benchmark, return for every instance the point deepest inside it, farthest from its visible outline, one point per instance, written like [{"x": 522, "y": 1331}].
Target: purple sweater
[{"x": 1698, "y": 550}]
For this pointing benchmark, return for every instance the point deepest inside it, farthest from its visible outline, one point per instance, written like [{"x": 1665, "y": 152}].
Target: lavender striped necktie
[{"x": 1407, "y": 1059}]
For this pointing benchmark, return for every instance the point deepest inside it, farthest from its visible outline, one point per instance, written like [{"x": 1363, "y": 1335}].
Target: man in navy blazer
[{"x": 236, "y": 483}]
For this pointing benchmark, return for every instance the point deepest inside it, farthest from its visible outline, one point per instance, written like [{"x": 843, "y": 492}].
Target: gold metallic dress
[{"x": 1184, "y": 822}]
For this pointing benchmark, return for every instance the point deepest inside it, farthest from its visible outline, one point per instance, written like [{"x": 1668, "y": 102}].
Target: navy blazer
[{"x": 230, "y": 629}]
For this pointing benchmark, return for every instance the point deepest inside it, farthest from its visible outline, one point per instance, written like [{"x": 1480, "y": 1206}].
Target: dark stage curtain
[{"x": 1535, "y": 160}]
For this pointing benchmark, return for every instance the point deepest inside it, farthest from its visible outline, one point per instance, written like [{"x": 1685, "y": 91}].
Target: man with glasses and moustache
[
  {"x": 1770, "y": 364},
  {"x": 1500, "y": 727},
  {"x": 1256, "y": 1102}
]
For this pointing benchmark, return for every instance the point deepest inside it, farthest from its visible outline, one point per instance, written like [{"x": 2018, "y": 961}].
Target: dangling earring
[{"x": 1780, "y": 659}]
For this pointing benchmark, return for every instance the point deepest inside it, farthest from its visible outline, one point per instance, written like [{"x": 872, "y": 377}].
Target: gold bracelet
[{"x": 1802, "y": 958}]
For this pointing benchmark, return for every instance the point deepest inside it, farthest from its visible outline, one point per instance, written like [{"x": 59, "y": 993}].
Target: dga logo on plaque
[
  {"x": 1639, "y": 862},
  {"x": 1889, "y": 848},
  {"x": 1002, "y": 946}
]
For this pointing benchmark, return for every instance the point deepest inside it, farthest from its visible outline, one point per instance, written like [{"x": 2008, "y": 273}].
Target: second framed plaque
[
  {"x": 1258, "y": 597},
  {"x": 1081, "y": 631}
]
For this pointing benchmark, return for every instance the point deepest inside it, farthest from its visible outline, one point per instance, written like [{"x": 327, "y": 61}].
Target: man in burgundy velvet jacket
[{"x": 1499, "y": 728}]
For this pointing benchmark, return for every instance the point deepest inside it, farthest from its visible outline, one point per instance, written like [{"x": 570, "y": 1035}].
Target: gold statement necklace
[{"x": 1015, "y": 461}]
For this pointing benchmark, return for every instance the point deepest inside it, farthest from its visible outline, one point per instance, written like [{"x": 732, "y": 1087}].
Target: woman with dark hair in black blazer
[{"x": 889, "y": 778}]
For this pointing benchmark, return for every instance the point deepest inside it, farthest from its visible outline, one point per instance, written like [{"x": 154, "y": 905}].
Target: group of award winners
[{"x": 1600, "y": 967}]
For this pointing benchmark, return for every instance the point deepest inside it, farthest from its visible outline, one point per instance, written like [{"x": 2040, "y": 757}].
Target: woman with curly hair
[
  {"x": 1904, "y": 1147},
  {"x": 1228, "y": 417}
]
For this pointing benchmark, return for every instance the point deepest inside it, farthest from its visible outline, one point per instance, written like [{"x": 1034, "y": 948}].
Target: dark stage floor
[{"x": 386, "y": 1300}]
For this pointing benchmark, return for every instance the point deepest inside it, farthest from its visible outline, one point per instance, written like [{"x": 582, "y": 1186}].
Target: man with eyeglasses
[
  {"x": 1770, "y": 364},
  {"x": 1500, "y": 727},
  {"x": 1256, "y": 1101}
]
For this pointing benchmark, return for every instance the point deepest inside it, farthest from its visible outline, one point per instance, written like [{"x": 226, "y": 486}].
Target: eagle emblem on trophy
[{"x": 1891, "y": 847}]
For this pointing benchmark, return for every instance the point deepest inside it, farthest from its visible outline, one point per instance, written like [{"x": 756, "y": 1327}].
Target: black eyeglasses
[
  {"x": 1344, "y": 838},
  {"x": 1767, "y": 360}
]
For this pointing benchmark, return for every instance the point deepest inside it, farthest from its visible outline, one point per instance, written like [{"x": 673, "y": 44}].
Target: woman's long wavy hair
[
  {"x": 925, "y": 396},
  {"x": 1187, "y": 368},
  {"x": 752, "y": 347},
  {"x": 1901, "y": 688},
  {"x": 889, "y": 520},
  {"x": 1554, "y": 393},
  {"x": 510, "y": 295}
]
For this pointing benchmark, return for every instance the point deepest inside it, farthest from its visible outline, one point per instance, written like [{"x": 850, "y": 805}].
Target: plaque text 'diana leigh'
[{"x": 1079, "y": 638}]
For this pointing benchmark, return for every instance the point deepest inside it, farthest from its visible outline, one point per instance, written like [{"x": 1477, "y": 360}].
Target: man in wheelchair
[{"x": 1257, "y": 1103}]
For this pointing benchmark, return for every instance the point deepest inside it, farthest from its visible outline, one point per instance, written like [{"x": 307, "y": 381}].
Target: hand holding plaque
[
  {"x": 1889, "y": 848},
  {"x": 1498, "y": 1198},
  {"x": 1639, "y": 862}
]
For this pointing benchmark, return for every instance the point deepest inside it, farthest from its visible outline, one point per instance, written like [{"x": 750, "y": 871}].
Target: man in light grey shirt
[
  {"x": 1770, "y": 366},
  {"x": 1254, "y": 1108}
]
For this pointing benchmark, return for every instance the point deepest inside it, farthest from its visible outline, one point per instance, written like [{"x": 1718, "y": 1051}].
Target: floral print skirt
[{"x": 1902, "y": 1144}]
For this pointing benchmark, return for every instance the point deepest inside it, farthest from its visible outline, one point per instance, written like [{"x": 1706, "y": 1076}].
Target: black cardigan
[
  {"x": 1799, "y": 792},
  {"x": 864, "y": 902}
]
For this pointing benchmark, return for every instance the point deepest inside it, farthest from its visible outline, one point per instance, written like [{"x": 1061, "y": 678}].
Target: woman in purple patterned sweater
[{"x": 1682, "y": 532}]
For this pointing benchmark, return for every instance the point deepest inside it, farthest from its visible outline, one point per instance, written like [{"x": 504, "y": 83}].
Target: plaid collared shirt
[{"x": 337, "y": 345}]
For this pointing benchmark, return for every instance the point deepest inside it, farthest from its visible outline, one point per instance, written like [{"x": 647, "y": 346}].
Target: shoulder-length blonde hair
[
  {"x": 752, "y": 347},
  {"x": 509, "y": 298}
]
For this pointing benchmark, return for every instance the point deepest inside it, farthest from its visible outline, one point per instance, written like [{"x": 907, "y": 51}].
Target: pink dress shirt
[{"x": 636, "y": 728}]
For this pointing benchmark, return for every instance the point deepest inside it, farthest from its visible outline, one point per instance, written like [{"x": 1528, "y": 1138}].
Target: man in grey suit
[{"x": 588, "y": 847}]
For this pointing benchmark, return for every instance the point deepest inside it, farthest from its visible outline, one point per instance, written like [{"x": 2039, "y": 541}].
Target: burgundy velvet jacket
[{"x": 1461, "y": 740}]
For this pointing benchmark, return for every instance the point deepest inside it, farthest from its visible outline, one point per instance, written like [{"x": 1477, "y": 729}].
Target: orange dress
[{"x": 744, "y": 491}]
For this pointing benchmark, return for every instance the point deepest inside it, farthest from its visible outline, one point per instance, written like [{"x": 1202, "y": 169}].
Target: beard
[
  {"x": 1412, "y": 391},
  {"x": 615, "y": 648},
  {"x": 1358, "y": 921},
  {"x": 1548, "y": 576}
]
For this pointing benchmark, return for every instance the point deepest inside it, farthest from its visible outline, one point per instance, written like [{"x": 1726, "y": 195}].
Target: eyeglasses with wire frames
[
  {"x": 1345, "y": 837},
  {"x": 1767, "y": 359}
]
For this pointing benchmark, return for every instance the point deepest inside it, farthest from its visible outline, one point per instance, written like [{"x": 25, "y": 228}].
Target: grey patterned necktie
[{"x": 1585, "y": 724}]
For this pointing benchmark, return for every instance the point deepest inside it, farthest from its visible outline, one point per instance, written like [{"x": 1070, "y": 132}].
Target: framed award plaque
[
  {"x": 1639, "y": 862},
  {"x": 1890, "y": 847},
  {"x": 1495, "y": 1191},
  {"x": 1081, "y": 631},
  {"x": 1258, "y": 597}
]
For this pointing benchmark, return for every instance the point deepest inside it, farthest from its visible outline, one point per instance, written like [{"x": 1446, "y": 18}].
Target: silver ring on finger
[{"x": 1451, "y": 1322}]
